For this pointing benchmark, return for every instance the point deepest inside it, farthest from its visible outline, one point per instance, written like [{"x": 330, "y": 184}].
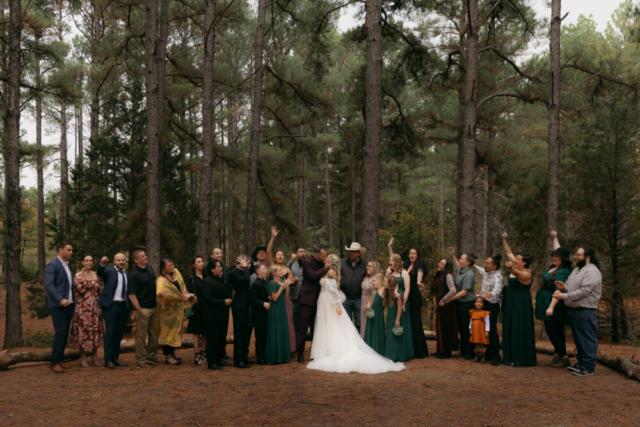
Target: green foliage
[{"x": 38, "y": 339}]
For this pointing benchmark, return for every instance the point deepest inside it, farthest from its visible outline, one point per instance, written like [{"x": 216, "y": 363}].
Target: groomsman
[
  {"x": 58, "y": 284},
  {"x": 239, "y": 280},
  {"x": 115, "y": 310},
  {"x": 217, "y": 256}
]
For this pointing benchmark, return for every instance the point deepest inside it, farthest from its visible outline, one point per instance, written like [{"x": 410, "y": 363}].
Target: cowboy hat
[
  {"x": 254, "y": 254},
  {"x": 355, "y": 247},
  {"x": 562, "y": 253}
]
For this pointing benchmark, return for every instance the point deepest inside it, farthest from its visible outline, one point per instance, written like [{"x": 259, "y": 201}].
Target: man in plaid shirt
[{"x": 492, "y": 283}]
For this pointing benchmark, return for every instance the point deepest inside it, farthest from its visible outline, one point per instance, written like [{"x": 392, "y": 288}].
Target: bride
[{"x": 337, "y": 345}]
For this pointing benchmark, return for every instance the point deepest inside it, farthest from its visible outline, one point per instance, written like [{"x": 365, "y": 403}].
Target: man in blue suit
[
  {"x": 58, "y": 284},
  {"x": 115, "y": 310}
]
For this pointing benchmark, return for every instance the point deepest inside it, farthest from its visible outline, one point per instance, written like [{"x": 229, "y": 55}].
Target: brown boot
[
  {"x": 555, "y": 360},
  {"x": 562, "y": 362}
]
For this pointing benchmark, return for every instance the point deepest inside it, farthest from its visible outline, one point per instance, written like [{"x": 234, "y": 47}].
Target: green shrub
[{"x": 38, "y": 339}]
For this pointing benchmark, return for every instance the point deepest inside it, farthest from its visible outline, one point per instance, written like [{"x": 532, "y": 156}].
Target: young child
[
  {"x": 479, "y": 328},
  {"x": 396, "y": 347},
  {"x": 374, "y": 333}
]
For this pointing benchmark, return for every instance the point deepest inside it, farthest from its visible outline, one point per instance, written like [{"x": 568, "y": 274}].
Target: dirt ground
[{"x": 429, "y": 391}]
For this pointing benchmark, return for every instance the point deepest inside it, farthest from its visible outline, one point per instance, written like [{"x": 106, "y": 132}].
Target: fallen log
[
  {"x": 628, "y": 366},
  {"x": 11, "y": 358}
]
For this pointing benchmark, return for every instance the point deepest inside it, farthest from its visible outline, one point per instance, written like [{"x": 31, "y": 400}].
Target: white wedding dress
[{"x": 337, "y": 345}]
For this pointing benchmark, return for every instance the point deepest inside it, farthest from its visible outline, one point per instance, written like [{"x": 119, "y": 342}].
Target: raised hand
[
  {"x": 293, "y": 257},
  {"x": 104, "y": 260},
  {"x": 228, "y": 301},
  {"x": 274, "y": 231},
  {"x": 553, "y": 234},
  {"x": 509, "y": 264},
  {"x": 505, "y": 236},
  {"x": 242, "y": 261},
  {"x": 390, "y": 242}
]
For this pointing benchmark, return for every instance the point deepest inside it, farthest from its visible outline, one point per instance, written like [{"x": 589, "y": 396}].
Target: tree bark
[
  {"x": 40, "y": 169},
  {"x": 467, "y": 147},
  {"x": 302, "y": 189},
  {"x": 64, "y": 171},
  {"x": 256, "y": 115},
  {"x": 232, "y": 201},
  {"x": 553, "y": 196},
  {"x": 373, "y": 129},
  {"x": 314, "y": 203},
  {"x": 13, "y": 195},
  {"x": 327, "y": 201},
  {"x": 155, "y": 54},
  {"x": 208, "y": 132},
  {"x": 489, "y": 189}
]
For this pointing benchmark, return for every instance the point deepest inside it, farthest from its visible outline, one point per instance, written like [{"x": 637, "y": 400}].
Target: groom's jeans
[{"x": 352, "y": 306}]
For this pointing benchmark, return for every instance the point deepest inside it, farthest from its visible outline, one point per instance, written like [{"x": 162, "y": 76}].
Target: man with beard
[
  {"x": 581, "y": 295},
  {"x": 295, "y": 265}
]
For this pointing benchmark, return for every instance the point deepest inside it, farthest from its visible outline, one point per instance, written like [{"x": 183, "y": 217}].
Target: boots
[
  {"x": 555, "y": 360},
  {"x": 562, "y": 362}
]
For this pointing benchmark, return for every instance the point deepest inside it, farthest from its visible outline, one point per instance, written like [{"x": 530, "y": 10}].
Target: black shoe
[
  {"x": 461, "y": 354},
  {"x": 262, "y": 362},
  {"x": 109, "y": 365},
  {"x": 300, "y": 359},
  {"x": 436, "y": 354},
  {"x": 574, "y": 368},
  {"x": 242, "y": 365},
  {"x": 226, "y": 357},
  {"x": 119, "y": 363},
  {"x": 469, "y": 357},
  {"x": 250, "y": 362},
  {"x": 582, "y": 373},
  {"x": 215, "y": 367},
  {"x": 224, "y": 363},
  {"x": 496, "y": 362}
]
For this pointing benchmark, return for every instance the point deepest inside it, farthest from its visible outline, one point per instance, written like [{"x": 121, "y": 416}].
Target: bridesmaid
[
  {"x": 279, "y": 260},
  {"x": 374, "y": 336},
  {"x": 196, "y": 325},
  {"x": 373, "y": 268},
  {"x": 396, "y": 347},
  {"x": 416, "y": 269},
  {"x": 403, "y": 280},
  {"x": 278, "y": 348},
  {"x": 518, "y": 334},
  {"x": 443, "y": 288},
  {"x": 87, "y": 328}
]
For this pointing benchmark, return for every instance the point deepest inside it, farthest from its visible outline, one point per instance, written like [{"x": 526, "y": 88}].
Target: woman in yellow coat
[{"x": 172, "y": 294}]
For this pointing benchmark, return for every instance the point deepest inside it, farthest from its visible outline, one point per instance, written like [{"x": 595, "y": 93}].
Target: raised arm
[
  {"x": 523, "y": 276},
  {"x": 452, "y": 253},
  {"x": 507, "y": 249},
  {"x": 274, "y": 234},
  {"x": 556, "y": 242},
  {"x": 390, "y": 247}
]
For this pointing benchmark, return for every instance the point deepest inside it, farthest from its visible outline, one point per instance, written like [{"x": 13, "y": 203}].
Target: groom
[{"x": 313, "y": 269}]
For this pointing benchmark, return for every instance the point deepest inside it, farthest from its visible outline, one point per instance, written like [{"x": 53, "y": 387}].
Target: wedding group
[{"x": 359, "y": 317}]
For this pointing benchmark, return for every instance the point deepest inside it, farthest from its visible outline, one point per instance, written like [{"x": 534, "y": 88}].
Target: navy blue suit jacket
[
  {"x": 110, "y": 277},
  {"x": 56, "y": 283}
]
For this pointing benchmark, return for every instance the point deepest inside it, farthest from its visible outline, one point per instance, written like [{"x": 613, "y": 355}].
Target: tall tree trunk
[
  {"x": 208, "y": 132},
  {"x": 489, "y": 189},
  {"x": 64, "y": 172},
  {"x": 352, "y": 187},
  {"x": 314, "y": 203},
  {"x": 155, "y": 54},
  {"x": 385, "y": 204},
  {"x": 373, "y": 129},
  {"x": 441, "y": 214},
  {"x": 327, "y": 200},
  {"x": 553, "y": 197},
  {"x": 94, "y": 86},
  {"x": 302, "y": 190},
  {"x": 232, "y": 202},
  {"x": 467, "y": 148},
  {"x": 256, "y": 115},
  {"x": 40, "y": 170},
  {"x": 13, "y": 195}
]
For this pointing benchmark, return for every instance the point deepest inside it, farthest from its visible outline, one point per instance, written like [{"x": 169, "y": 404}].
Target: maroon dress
[
  {"x": 446, "y": 323},
  {"x": 87, "y": 328}
]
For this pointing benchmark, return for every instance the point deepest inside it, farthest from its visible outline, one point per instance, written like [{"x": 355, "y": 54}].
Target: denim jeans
[
  {"x": 585, "y": 335},
  {"x": 352, "y": 307}
]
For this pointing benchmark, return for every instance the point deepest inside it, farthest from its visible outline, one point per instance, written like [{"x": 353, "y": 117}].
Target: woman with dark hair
[
  {"x": 172, "y": 294},
  {"x": 443, "y": 288},
  {"x": 196, "y": 325},
  {"x": 416, "y": 269},
  {"x": 87, "y": 328},
  {"x": 518, "y": 333},
  {"x": 552, "y": 311}
]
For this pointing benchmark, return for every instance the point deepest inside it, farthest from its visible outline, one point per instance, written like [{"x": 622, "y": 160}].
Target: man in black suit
[
  {"x": 260, "y": 311},
  {"x": 215, "y": 309},
  {"x": 115, "y": 310},
  {"x": 239, "y": 279},
  {"x": 313, "y": 269},
  {"x": 58, "y": 284}
]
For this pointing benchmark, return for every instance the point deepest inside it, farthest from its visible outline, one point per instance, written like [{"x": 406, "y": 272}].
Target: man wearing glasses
[{"x": 581, "y": 295}]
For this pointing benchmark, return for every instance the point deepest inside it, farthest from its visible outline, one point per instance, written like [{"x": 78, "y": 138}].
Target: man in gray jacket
[
  {"x": 581, "y": 294},
  {"x": 295, "y": 265}
]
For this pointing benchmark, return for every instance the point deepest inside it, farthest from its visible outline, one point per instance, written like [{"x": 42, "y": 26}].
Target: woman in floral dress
[{"x": 87, "y": 328}]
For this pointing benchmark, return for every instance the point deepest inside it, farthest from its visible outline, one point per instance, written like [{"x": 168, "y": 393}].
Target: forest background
[{"x": 202, "y": 123}]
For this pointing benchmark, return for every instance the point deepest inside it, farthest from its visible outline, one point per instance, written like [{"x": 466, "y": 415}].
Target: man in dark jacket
[
  {"x": 239, "y": 279},
  {"x": 313, "y": 269},
  {"x": 215, "y": 304},
  {"x": 260, "y": 311},
  {"x": 352, "y": 272}
]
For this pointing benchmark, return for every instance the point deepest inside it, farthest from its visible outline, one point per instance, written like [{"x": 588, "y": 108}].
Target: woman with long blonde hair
[{"x": 368, "y": 293}]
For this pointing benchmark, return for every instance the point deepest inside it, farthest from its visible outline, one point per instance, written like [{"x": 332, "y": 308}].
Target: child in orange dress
[{"x": 479, "y": 326}]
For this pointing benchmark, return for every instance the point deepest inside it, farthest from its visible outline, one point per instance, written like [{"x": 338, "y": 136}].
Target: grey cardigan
[{"x": 584, "y": 287}]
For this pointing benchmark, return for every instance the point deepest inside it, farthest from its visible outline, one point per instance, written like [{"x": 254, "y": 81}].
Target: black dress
[
  {"x": 196, "y": 325},
  {"x": 420, "y": 348}
]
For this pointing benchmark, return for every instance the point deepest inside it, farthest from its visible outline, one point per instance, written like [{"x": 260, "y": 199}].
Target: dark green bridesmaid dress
[
  {"x": 405, "y": 318},
  {"x": 396, "y": 348},
  {"x": 374, "y": 333},
  {"x": 277, "y": 349},
  {"x": 518, "y": 334}
]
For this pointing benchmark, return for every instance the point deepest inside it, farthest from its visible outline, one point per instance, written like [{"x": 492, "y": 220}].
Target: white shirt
[
  {"x": 487, "y": 325},
  {"x": 122, "y": 281},
  {"x": 65, "y": 264}
]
